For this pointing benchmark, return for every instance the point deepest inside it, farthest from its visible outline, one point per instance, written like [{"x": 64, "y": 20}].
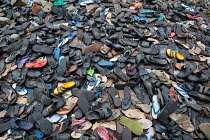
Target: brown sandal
[{"x": 183, "y": 121}]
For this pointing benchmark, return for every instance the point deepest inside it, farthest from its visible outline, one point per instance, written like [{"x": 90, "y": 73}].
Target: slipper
[
  {"x": 115, "y": 114},
  {"x": 21, "y": 124},
  {"x": 100, "y": 77},
  {"x": 155, "y": 107},
  {"x": 187, "y": 70},
  {"x": 63, "y": 88},
  {"x": 92, "y": 48},
  {"x": 104, "y": 63},
  {"x": 163, "y": 76},
  {"x": 38, "y": 63},
  {"x": 168, "y": 109},
  {"x": 134, "y": 126},
  {"x": 183, "y": 121},
  {"x": 42, "y": 49},
  {"x": 105, "y": 49},
  {"x": 104, "y": 134},
  {"x": 134, "y": 113},
  {"x": 146, "y": 124},
  {"x": 22, "y": 91},
  {"x": 181, "y": 90},
  {"x": 30, "y": 83},
  {"x": 60, "y": 127},
  {"x": 174, "y": 54},
  {"x": 190, "y": 102},
  {"x": 120, "y": 74},
  {"x": 56, "y": 118},
  {"x": 156, "y": 60},
  {"x": 111, "y": 125},
  {"x": 9, "y": 94},
  {"x": 91, "y": 84},
  {"x": 44, "y": 125},
  {"x": 203, "y": 90},
  {"x": 99, "y": 114},
  {"x": 187, "y": 136},
  {"x": 38, "y": 95},
  {"x": 16, "y": 110},
  {"x": 83, "y": 104},
  {"x": 126, "y": 134},
  {"x": 89, "y": 95},
  {"x": 57, "y": 103},
  {"x": 140, "y": 104},
  {"x": 115, "y": 97},
  {"x": 126, "y": 102},
  {"x": 2, "y": 67},
  {"x": 204, "y": 127},
  {"x": 198, "y": 77},
  {"x": 70, "y": 104},
  {"x": 71, "y": 69}
]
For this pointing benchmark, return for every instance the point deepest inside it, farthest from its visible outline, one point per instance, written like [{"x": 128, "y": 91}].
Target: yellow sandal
[
  {"x": 63, "y": 87},
  {"x": 175, "y": 54}
]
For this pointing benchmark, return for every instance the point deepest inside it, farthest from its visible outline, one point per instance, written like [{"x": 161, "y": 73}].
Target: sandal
[
  {"x": 163, "y": 77},
  {"x": 183, "y": 121},
  {"x": 140, "y": 104},
  {"x": 70, "y": 104},
  {"x": 10, "y": 95},
  {"x": 190, "y": 102},
  {"x": 134, "y": 126},
  {"x": 198, "y": 77},
  {"x": 38, "y": 63},
  {"x": 203, "y": 90},
  {"x": 99, "y": 114},
  {"x": 174, "y": 54},
  {"x": 187, "y": 70},
  {"x": 63, "y": 88}
]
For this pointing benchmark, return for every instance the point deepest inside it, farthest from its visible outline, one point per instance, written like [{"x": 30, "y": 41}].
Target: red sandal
[{"x": 38, "y": 63}]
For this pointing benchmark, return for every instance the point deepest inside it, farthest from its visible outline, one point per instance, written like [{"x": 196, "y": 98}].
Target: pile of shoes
[{"x": 104, "y": 69}]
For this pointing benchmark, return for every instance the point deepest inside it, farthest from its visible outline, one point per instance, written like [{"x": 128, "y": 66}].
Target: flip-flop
[
  {"x": 111, "y": 125},
  {"x": 104, "y": 134},
  {"x": 115, "y": 97},
  {"x": 38, "y": 95},
  {"x": 134, "y": 126},
  {"x": 155, "y": 106},
  {"x": 44, "y": 125},
  {"x": 140, "y": 104},
  {"x": 126, "y": 102},
  {"x": 134, "y": 113},
  {"x": 70, "y": 104},
  {"x": 83, "y": 104},
  {"x": 181, "y": 90}
]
